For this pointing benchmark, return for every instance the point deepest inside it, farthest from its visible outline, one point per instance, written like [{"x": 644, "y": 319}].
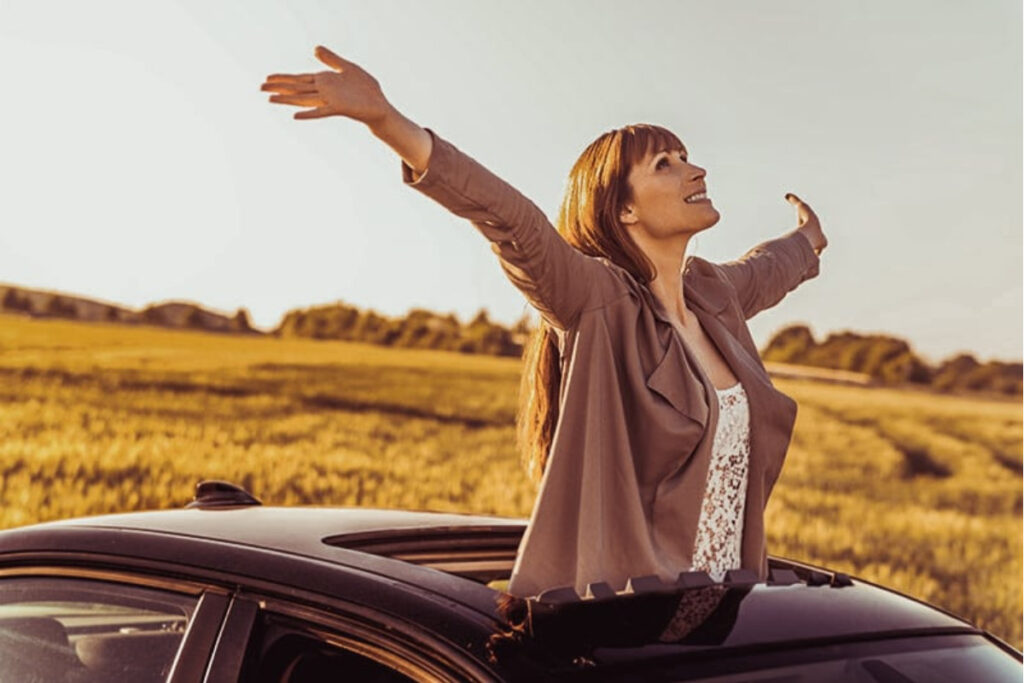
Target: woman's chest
[{"x": 706, "y": 353}]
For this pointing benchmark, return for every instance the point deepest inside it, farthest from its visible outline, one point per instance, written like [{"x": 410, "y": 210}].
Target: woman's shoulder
[
  {"x": 627, "y": 283},
  {"x": 697, "y": 267}
]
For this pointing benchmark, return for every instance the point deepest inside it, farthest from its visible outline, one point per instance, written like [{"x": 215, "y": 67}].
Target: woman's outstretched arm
[
  {"x": 557, "y": 279},
  {"x": 770, "y": 270}
]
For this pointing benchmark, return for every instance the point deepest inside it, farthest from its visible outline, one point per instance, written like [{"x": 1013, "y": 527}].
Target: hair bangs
[{"x": 642, "y": 139}]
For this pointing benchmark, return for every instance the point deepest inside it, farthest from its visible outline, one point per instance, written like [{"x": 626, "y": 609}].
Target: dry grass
[{"x": 918, "y": 492}]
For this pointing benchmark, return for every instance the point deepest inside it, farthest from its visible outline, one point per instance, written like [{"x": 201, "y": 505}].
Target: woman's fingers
[
  {"x": 288, "y": 88},
  {"x": 317, "y": 113},
  {"x": 329, "y": 58},
  {"x": 301, "y": 99},
  {"x": 802, "y": 207},
  {"x": 291, "y": 78}
]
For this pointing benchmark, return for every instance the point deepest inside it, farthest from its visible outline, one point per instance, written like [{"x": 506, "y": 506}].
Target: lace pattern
[
  {"x": 720, "y": 527},
  {"x": 694, "y": 608}
]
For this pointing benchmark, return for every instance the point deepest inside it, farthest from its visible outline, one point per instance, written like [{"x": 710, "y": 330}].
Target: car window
[
  {"x": 57, "y": 629},
  {"x": 285, "y": 650}
]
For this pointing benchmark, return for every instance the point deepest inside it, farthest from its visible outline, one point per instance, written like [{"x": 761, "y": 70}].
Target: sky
[{"x": 140, "y": 162}]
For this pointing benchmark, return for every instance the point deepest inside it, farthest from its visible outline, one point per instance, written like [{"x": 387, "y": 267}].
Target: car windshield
[{"x": 932, "y": 659}]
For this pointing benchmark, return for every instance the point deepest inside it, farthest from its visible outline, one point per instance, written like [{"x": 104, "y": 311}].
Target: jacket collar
[{"x": 702, "y": 288}]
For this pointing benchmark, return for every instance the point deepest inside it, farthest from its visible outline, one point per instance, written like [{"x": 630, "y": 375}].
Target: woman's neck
[{"x": 667, "y": 285}]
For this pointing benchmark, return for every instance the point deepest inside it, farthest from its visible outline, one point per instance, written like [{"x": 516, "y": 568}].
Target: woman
[{"x": 646, "y": 413}]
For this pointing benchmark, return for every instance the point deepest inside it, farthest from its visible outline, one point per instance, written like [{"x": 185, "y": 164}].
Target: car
[{"x": 228, "y": 590}]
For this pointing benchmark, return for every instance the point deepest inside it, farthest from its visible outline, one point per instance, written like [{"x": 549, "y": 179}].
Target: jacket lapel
[
  {"x": 676, "y": 378},
  {"x": 676, "y": 382},
  {"x": 679, "y": 377}
]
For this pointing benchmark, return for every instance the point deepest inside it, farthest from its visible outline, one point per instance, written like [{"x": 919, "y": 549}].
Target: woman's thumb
[{"x": 329, "y": 58}]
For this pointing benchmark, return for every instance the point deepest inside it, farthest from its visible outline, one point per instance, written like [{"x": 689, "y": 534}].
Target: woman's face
[{"x": 668, "y": 196}]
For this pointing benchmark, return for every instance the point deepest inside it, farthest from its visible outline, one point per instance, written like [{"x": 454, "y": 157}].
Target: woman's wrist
[
  {"x": 380, "y": 124},
  {"x": 815, "y": 244},
  {"x": 409, "y": 140}
]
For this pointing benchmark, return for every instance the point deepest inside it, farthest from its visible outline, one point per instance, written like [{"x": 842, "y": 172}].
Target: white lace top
[{"x": 720, "y": 527}]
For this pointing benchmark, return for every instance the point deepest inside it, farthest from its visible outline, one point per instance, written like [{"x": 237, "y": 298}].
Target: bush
[
  {"x": 59, "y": 307},
  {"x": 16, "y": 300}
]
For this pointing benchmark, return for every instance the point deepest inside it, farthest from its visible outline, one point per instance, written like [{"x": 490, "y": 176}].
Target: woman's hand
[
  {"x": 348, "y": 91},
  {"x": 808, "y": 223}
]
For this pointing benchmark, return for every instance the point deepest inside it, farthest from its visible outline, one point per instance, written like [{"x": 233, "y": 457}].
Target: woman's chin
[{"x": 713, "y": 217}]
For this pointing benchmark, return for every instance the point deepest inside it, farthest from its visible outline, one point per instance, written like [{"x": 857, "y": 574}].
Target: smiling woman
[{"x": 646, "y": 415}]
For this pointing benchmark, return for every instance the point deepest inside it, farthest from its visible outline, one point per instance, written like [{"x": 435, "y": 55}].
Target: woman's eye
[{"x": 664, "y": 161}]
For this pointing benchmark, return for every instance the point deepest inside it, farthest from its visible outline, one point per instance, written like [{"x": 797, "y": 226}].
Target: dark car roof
[
  {"x": 299, "y": 530},
  {"x": 369, "y": 540},
  {"x": 203, "y": 538}
]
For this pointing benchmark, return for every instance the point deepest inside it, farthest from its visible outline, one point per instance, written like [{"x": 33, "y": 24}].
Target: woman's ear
[{"x": 627, "y": 215}]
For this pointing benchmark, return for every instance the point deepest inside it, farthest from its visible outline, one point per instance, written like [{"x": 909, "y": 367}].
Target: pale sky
[{"x": 139, "y": 161}]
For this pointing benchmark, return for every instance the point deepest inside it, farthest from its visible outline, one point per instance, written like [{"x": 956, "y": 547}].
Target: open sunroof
[{"x": 480, "y": 552}]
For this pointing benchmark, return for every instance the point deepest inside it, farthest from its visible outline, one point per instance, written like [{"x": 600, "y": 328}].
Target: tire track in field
[{"x": 917, "y": 461}]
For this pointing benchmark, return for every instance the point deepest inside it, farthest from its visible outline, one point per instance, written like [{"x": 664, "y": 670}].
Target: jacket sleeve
[
  {"x": 770, "y": 270},
  {"x": 557, "y": 279}
]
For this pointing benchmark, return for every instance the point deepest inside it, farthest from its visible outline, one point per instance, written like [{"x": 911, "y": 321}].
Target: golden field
[{"x": 912, "y": 490}]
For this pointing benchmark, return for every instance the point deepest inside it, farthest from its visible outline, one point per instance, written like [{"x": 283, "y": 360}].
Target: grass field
[{"x": 911, "y": 490}]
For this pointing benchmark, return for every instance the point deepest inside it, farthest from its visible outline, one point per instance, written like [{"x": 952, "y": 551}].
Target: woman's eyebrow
[{"x": 658, "y": 155}]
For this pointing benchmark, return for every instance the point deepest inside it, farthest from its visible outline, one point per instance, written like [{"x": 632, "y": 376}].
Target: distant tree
[
  {"x": 347, "y": 317},
  {"x": 950, "y": 374},
  {"x": 369, "y": 327},
  {"x": 896, "y": 369},
  {"x": 240, "y": 321},
  {"x": 59, "y": 307},
  {"x": 483, "y": 336},
  {"x": 415, "y": 332},
  {"x": 789, "y": 345},
  {"x": 1011, "y": 379},
  {"x": 920, "y": 372},
  {"x": 480, "y": 318},
  {"x": 286, "y": 328},
  {"x": 15, "y": 300},
  {"x": 195, "y": 319},
  {"x": 153, "y": 315},
  {"x": 374, "y": 328},
  {"x": 994, "y": 376},
  {"x": 303, "y": 324}
]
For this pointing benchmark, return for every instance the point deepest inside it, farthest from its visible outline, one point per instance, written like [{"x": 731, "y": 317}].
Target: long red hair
[{"x": 588, "y": 219}]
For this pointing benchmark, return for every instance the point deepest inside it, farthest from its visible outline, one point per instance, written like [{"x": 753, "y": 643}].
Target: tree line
[
  {"x": 176, "y": 314},
  {"x": 891, "y": 362},
  {"x": 418, "y": 329}
]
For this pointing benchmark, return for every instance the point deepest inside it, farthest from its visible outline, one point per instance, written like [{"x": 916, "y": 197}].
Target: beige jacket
[{"x": 628, "y": 465}]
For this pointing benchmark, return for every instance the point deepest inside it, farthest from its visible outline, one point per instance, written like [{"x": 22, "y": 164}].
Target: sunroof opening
[{"x": 482, "y": 553}]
